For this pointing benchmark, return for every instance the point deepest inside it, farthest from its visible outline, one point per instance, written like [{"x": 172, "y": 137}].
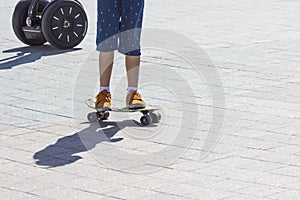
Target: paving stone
[
  {"x": 260, "y": 191},
  {"x": 65, "y": 193},
  {"x": 209, "y": 194}
]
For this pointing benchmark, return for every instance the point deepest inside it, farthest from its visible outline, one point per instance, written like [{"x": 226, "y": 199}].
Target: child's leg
[
  {"x": 132, "y": 68},
  {"x": 106, "y": 60},
  {"x": 107, "y": 37},
  {"x": 103, "y": 99},
  {"x": 130, "y": 32},
  {"x": 133, "y": 99},
  {"x": 131, "y": 27},
  {"x": 107, "y": 41}
]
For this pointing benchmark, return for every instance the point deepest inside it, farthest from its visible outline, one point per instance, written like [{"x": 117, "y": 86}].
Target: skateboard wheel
[
  {"x": 155, "y": 117},
  {"x": 103, "y": 115},
  {"x": 146, "y": 120},
  {"x": 92, "y": 117},
  {"x": 19, "y": 21},
  {"x": 64, "y": 24},
  {"x": 106, "y": 115}
]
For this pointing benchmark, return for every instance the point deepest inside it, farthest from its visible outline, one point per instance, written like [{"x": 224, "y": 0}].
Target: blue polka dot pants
[{"x": 119, "y": 26}]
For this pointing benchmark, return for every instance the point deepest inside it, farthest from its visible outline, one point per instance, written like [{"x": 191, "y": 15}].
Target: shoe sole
[
  {"x": 103, "y": 109},
  {"x": 136, "y": 106}
]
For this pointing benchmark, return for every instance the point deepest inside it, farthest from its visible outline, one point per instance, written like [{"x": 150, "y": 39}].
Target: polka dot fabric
[{"x": 119, "y": 26}]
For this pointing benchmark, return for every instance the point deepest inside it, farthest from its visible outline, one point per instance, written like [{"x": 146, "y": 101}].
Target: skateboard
[{"x": 149, "y": 116}]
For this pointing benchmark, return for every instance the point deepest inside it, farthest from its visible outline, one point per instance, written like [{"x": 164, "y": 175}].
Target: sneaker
[
  {"x": 134, "y": 100},
  {"x": 103, "y": 101}
]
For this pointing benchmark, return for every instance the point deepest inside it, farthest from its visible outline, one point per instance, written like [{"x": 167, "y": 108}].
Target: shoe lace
[
  {"x": 137, "y": 96},
  {"x": 103, "y": 98}
]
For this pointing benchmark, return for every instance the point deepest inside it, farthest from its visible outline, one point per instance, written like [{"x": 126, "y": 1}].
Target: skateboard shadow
[
  {"x": 63, "y": 151},
  {"x": 29, "y": 54}
]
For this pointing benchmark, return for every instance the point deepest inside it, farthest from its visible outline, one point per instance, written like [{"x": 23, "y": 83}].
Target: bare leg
[
  {"x": 133, "y": 68},
  {"x": 106, "y": 61}
]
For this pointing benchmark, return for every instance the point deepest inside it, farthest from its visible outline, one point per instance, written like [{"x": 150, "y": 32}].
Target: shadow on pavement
[
  {"x": 62, "y": 152},
  {"x": 29, "y": 54}
]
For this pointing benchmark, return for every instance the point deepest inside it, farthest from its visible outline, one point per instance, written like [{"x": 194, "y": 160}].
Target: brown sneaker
[
  {"x": 134, "y": 100},
  {"x": 103, "y": 101}
]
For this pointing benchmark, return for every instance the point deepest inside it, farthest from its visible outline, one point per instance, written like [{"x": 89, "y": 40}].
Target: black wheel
[
  {"x": 106, "y": 115},
  {"x": 92, "y": 117},
  {"x": 155, "y": 117},
  {"x": 64, "y": 24},
  {"x": 19, "y": 21},
  {"x": 103, "y": 115},
  {"x": 146, "y": 120}
]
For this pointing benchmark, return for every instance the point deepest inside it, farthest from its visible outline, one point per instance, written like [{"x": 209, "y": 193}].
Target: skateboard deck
[
  {"x": 148, "y": 117},
  {"x": 91, "y": 103}
]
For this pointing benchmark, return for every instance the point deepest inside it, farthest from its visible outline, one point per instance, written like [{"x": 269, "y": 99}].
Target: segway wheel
[
  {"x": 64, "y": 24},
  {"x": 19, "y": 21}
]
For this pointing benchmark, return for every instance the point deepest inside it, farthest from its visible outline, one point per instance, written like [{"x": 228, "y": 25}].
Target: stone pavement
[{"x": 48, "y": 150}]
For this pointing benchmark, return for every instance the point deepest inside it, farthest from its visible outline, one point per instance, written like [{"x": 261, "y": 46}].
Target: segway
[{"x": 63, "y": 23}]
